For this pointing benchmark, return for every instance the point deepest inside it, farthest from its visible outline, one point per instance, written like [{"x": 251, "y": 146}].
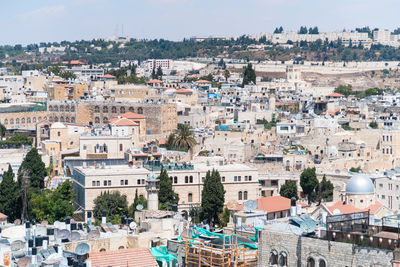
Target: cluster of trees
[
  {"x": 126, "y": 75},
  {"x": 278, "y": 30},
  {"x": 303, "y": 30},
  {"x": 316, "y": 191},
  {"x": 15, "y": 141},
  {"x": 347, "y": 90},
  {"x": 249, "y": 75},
  {"x": 27, "y": 199},
  {"x": 267, "y": 124},
  {"x": 157, "y": 74},
  {"x": 57, "y": 70},
  {"x": 182, "y": 139}
]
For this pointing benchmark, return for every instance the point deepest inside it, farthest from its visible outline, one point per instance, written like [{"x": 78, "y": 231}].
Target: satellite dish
[
  {"x": 250, "y": 205},
  {"x": 82, "y": 249},
  {"x": 17, "y": 221},
  {"x": 75, "y": 236},
  {"x": 178, "y": 217},
  {"x": 17, "y": 245},
  {"x": 63, "y": 234},
  {"x": 189, "y": 218},
  {"x": 132, "y": 225},
  {"x": 259, "y": 223},
  {"x": 139, "y": 207},
  {"x": 56, "y": 224}
]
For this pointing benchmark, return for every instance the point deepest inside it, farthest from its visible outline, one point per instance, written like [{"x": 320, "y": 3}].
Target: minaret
[{"x": 152, "y": 188}]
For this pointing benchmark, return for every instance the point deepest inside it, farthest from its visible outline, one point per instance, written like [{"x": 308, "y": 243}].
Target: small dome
[
  {"x": 58, "y": 125},
  {"x": 360, "y": 184}
]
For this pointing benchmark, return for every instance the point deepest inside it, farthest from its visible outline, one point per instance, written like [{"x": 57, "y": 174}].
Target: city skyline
[{"x": 51, "y": 21}]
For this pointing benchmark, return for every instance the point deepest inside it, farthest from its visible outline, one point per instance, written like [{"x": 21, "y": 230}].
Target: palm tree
[{"x": 184, "y": 137}]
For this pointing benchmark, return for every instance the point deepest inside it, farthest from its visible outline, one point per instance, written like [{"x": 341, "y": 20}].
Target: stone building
[
  {"x": 22, "y": 116},
  {"x": 287, "y": 249},
  {"x": 160, "y": 118}
]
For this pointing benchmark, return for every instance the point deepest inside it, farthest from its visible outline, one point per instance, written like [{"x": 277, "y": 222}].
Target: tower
[{"x": 152, "y": 188}]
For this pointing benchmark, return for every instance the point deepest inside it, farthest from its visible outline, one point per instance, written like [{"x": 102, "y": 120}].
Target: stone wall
[{"x": 300, "y": 249}]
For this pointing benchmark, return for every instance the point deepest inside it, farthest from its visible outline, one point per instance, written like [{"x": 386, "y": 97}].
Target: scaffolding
[{"x": 203, "y": 252}]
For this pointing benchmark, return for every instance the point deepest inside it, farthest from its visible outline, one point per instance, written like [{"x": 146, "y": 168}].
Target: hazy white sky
[{"x": 33, "y": 21}]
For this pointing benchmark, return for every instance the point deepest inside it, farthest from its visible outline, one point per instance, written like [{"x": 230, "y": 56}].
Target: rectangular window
[
  {"x": 143, "y": 181},
  {"x": 120, "y": 147},
  {"x": 93, "y": 183},
  {"x": 235, "y": 178},
  {"x": 239, "y": 178},
  {"x": 223, "y": 179},
  {"x": 186, "y": 179},
  {"x": 138, "y": 181},
  {"x": 105, "y": 182},
  {"x": 126, "y": 182},
  {"x": 175, "y": 180},
  {"x": 191, "y": 179},
  {"x": 246, "y": 178},
  {"x": 122, "y": 182},
  {"x": 249, "y": 177},
  {"x": 98, "y": 183},
  {"x": 109, "y": 182}
]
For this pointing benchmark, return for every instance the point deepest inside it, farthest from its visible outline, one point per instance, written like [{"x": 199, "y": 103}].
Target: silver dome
[{"x": 360, "y": 184}]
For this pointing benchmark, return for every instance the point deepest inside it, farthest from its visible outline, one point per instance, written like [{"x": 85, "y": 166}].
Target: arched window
[
  {"x": 55, "y": 119},
  {"x": 310, "y": 262},
  {"x": 34, "y": 119},
  {"x": 140, "y": 110},
  {"x": 97, "y": 109},
  {"x": 72, "y": 108},
  {"x": 245, "y": 195},
  {"x": 186, "y": 179},
  {"x": 190, "y": 197},
  {"x": 105, "y": 109},
  {"x": 72, "y": 119},
  {"x": 240, "y": 195},
  {"x": 50, "y": 119},
  {"x": 50, "y": 108},
  {"x": 273, "y": 258},
  {"x": 67, "y": 108},
  {"x": 121, "y": 247},
  {"x": 17, "y": 121},
  {"x": 61, "y": 108},
  {"x": 28, "y": 120},
  {"x": 102, "y": 250},
  {"x": 67, "y": 119},
  {"x": 97, "y": 120},
  {"x": 11, "y": 121},
  {"x": 5, "y": 121},
  {"x": 62, "y": 118},
  {"x": 131, "y": 109},
  {"x": 283, "y": 259},
  {"x": 113, "y": 110},
  {"x": 56, "y": 108},
  {"x": 105, "y": 120},
  {"x": 23, "y": 120},
  {"x": 175, "y": 179},
  {"x": 191, "y": 179},
  {"x": 122, "y": 110},
  {"x": 322, "y": 263}
]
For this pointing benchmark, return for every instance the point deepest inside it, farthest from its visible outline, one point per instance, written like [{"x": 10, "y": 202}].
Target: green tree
[
  {"x": 325, "y": 189},
  {"x": 54, "y": 205},
  {"x": 9, "y": 195},
  {"x": 166, "y": 195},
  {"x": 249, "y": 75},
  {"x": 373, "y": 125},
  {"x": 309, "y": 182},
  {"x": 289, "y": 190},
  {"x": 31, "y": 176},
  {"x": 170, "y": 142},
  {"x": 113, "y": 203},
  {"x": 159, "y": 73},
  {"x": 345, "y": 90},
  {"x": 212, "y": 197},
  {"x": 184, "y": 137},
  {"x": 67, "y": 75},
  {"x": 3, "y": 130},
  {"x": 227, "y": 74},
  {"x": 136, "y": 201},
  {"x": 226, "y": 214}
]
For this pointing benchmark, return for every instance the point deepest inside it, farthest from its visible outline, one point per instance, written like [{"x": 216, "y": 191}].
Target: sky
[{"x": 35, "y": 21}]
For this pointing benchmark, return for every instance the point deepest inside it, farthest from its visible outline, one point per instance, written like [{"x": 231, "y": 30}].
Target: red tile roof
[
  {"x": 138, "y": 257},
  {"x": 132, "y": 116},
  {"x": 273, "y": 204},
  {"x": 183, "y": 91},
  {"x": 349, "y": 208},
  {"x": 203, "y": 81},
  {"x": 108, "y": 76},
  {"x": 155, "y": 81},
  {"x": 335, "y": 95},
  {"x": 122, "y": 122},
  {"x": 3, "y": 216},
  {"x": 162, "y": 141}
]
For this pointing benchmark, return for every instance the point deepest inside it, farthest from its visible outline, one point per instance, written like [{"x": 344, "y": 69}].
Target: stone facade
[
  {"x": 22, "y": 120},
  {"x": 300, "y": 251},
  {"x": 160, "y": 118}
]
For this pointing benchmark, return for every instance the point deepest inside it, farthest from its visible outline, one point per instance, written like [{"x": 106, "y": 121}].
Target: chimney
[{"x": 293, "y": 206}]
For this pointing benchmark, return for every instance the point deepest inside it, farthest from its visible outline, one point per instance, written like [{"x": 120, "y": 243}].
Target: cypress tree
[
  {"x": 212, "y": 197},
  {"x": 166, "y": 195},
  {"x": 9, "y": 195}
]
